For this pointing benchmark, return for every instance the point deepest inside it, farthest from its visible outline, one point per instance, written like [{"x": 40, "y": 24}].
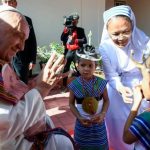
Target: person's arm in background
[
  {"x": 81, "y": 37},
  {"x": 31, "y": 44},
  {"x": 112, "y": 75},
  {"x": 64, "y": 35},
  {"x": 128, "y": 137},
  {"x": 64, "y": 38}
]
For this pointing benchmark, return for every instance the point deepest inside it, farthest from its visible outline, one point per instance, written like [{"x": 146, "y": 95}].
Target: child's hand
[
  {"x": 98, "y": 118},
  {"x": 85, "y": 122}
]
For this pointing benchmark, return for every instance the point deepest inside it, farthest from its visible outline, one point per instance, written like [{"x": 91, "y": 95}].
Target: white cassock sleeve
[{"x": 18, "y": 118}]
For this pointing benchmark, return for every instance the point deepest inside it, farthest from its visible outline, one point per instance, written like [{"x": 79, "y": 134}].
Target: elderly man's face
[{"x": 14, "y": 31}]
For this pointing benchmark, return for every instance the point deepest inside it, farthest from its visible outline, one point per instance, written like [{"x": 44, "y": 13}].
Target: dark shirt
[
  {"x": 80, "y": 38},
  {"x": 29, "y": 53}
]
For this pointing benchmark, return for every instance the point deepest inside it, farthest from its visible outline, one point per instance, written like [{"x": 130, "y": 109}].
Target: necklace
[
  {"x": 85, "y": 92},
  {"x": 89, "y": 104}
]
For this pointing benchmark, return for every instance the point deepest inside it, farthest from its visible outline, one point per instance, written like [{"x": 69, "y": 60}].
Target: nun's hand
[{"x": 127, "y": 94}]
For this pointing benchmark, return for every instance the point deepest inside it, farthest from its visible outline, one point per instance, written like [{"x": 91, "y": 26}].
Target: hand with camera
[{"x": 66, "y": 30}]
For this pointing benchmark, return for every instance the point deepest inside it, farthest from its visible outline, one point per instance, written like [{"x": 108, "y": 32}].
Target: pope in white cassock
[{"x": 22, "y": 110}]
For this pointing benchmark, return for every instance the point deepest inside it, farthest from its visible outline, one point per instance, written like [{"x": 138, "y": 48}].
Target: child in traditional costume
[{"x": 89, "y": 102}]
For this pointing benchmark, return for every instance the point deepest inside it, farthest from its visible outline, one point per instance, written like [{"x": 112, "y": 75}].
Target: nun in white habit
[{"x": 121, "y": 36}]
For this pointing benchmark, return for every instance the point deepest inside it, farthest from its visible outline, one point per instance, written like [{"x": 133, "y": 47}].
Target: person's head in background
[
  {"x": 75, "y": 17},
  {"x": 14, "y": 31},
  {"x": 87, "y": 59},
  {"x": 12, "y": 3}
]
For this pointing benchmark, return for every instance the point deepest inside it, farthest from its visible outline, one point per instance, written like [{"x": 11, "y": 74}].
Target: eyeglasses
[{"x": 120, "y": 36}]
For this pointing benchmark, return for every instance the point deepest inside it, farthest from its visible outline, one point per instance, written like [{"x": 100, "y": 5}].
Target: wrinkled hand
[
  {"x": 50, "y": 74},
  {"x": 127, "y": 94}
]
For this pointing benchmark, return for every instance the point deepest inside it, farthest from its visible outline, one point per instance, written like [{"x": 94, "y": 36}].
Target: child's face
[{"x": 86, "y": 68}]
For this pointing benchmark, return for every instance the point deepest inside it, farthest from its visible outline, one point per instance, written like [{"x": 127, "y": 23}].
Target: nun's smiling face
[{"x": 120, "y": 30}]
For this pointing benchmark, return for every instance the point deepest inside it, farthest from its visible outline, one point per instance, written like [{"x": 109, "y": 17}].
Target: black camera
[{"x": 68, "y": 21}]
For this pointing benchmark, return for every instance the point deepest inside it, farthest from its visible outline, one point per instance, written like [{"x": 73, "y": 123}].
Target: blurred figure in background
[{"x": 73, "y": 38}]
